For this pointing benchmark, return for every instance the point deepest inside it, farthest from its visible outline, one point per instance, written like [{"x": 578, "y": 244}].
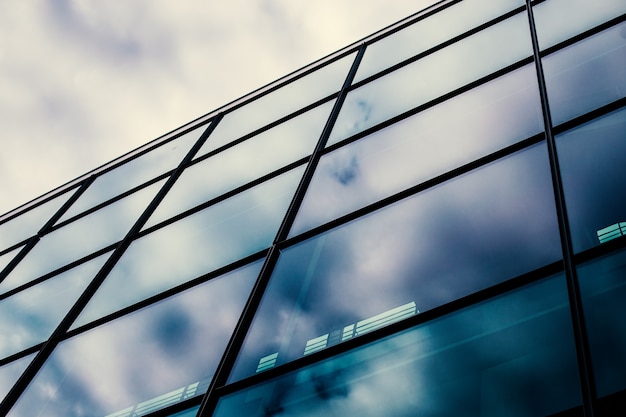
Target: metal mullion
[
  {"x": 209, "y": 402},
  {"x": 30, "y": 243},
  {"x": 48, "y": 347},
  {"x": 576, "y": 313}
]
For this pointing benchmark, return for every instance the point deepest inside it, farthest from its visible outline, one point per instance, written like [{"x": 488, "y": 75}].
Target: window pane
[
  {"x": 8, "y": 257},
  {"x": 187, "y": 413},
  {"x": 245, "y": 162},
  {"x": 30, "y": 316},
  {"x": 9, "y": 374},
  {"x": 587, "y": 74},
  {"x": 434, "y": 75},
  {"x": 552, "y": 28},
  {"x": 136, "y": 172},
  {"x": 465, "y": 235},
  {"x": 150, "y": 359},
  {"x": 286, "y": 100},
  {"x": 423, "y": 146},
  {"x": 430, "y": 32},
  {"x": 510, "y": 356},
  {"x": 81, "y": 238},
  {"x": 591, "y": 157},
  {"x": 195, "y": 245}
]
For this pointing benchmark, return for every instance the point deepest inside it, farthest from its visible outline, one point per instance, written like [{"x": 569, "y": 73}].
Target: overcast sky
[{"x": 82, "y": 82}]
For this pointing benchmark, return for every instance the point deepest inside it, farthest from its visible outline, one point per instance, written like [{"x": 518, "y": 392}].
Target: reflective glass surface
[
  {"x": 155, "y": 357},
  {"x": 279, "y": 103},
  {"x": 28, "y": 224},
  {"x": 430, "y": 32},
  {"x": 465, "y": 235},
  {"x": 188, "y": 413},
  {"x": 510, "y": 356},
  {"x": 81, "y": 237},
  {"x": 586, "y": 75},
  {"x": 30, "y": 316},
  {"x": 136, "y": 172},
  {"x": 195, "y": 245},
  {"x": 8, "y": 257},
  {"x": 457, "y": 131},
  {"x": 553, "y": 28},
  {"x": 10, "y": 372},
  {"x": 591, "y": 157},
  {"x": 247, "y": 161},
  {"x": 603, "y": 289},
  {"x": 434, "y": 75}
]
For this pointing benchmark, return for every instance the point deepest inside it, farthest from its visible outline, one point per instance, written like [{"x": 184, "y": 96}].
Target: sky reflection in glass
[
  {"x": 457, "y": 131},
  {"x": 10, "y": 372},
  {"x": 170, "y": 348},
  {"x": 487, "y": 360},
  {"x": 465, "y": 235}
]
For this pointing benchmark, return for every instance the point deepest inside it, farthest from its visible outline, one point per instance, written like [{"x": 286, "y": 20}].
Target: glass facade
[{"x": 427, "y": 223}]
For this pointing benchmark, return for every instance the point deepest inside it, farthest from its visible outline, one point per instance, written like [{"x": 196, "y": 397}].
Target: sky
[{"x": 83, "y": 82}]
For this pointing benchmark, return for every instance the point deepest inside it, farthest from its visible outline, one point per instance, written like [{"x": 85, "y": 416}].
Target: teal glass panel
[
  {"x": 457, "y": 131},
  {"x": 603, "y": 290},
  {"x": 187, "y": 413},
  {"x": 249, "y": 160},
  {"x": 81, "y": 237},
  {"x": 591, "y": 158},
  {"x": 553, "y": 28},
  {"x": 429, "y": 32},
  {"x": 467, "y": 234},
  {"x": 586, "y": 75},
  {"x": 29, "y": 223},
  {"x": 512, "y": 355},
  {"x": 30, "y": 316},
  {"x": 279, "y": 103},
  {"x": 197, "y": 244},
  {"x": 433, "y": 76},
  {"x": 10, "y": 372},
  {"x": 136, "y": 172},
  {"x": 145, "y": 361}
]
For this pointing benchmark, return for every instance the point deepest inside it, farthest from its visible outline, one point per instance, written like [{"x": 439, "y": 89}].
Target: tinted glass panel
[
  {"x": 188, "y": 413},
  {"x": 30, "y": 316},
  {"x": 245, "y": 162},
  {"x": 81, "y": 238},
  {"x": 136, "y": 172},
  {"x": 552, "y": 28},
  {"x": 587, "y": 74},
  {"x": 150, "y": 359},
  {"x": 455, "y": 132},
  {"x": 195, "y": 245},
  {"x": 286, "y": 100},
  {"x": 591, "y": 157},
  {"x": 510, "y": 356},
  {"x": 439, "y": 245},
  {"x": 11, "y": 372},
  {"x": 433, "y": 76},
  {"x": 430, "y": 32}
]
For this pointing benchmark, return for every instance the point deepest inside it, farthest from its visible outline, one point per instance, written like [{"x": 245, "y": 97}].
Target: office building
[{"x": 426, "y": 223}]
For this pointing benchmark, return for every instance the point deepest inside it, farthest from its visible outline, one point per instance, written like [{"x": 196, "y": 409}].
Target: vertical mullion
[{"x": 576, "y": 312}]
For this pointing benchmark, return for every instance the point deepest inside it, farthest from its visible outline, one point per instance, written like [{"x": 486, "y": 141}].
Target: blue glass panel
[
  {"x": 591, "y": 157},
  {"x": 510, "y": 356},
  {"x": 187, "y": 413},
  {"x": 155, "y": 357},
  {"x": 10, "y": 372},
  {"x": 465, "y": 235},
  {"x": 586, "y": 75},
  {"x": 195, "y": 245},
  {"x": 457, "y": 131}
]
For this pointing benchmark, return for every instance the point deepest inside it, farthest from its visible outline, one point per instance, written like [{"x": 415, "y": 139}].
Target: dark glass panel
[
  {"x": 245, "y": 162},
  {"x": 434, "y": 75},
  {"x": 10, "y": 372},
  {"x": 591, "y": 157},
  {"x": 30, "y": 316},
  {"x": 187, "y": 413},
  {"x": 136, "y": 172},
  {"x": 586, "y": 75},
  {"x": 81, "y": 237},
  {"x": 279, "y": 103},
  {"x": 457, "y": 131},
  {"x": 28, "y": 224},
  {"x": 603, "y": 289},
  {"x": 465, "y": 235},
  {"x": 432, "y": 31},
  {"x": 510, "y": 356},
  {"x": 553, "y": 28},
  {"x": 195, "y": 245},
  {"x": 150, "y": 359}
]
